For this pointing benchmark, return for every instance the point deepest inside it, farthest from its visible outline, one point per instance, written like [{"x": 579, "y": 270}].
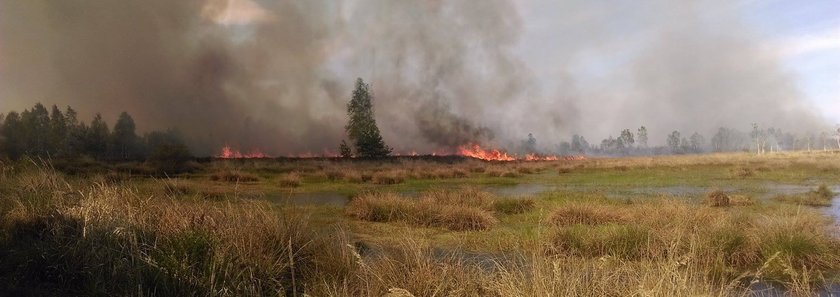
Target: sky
[
  {"x": 276, "y": 74},
  {"x": 805, "y": 34}
]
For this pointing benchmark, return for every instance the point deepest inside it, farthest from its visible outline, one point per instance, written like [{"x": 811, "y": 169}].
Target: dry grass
[
  {"x": 290, "y": 180},
  {"x": 234, "y": 176},
  {"x": 62, "y": 236},
  {"x": 436, "y": 209},
  {"x": 780, "y": 243},
  {"x": 717, "y": 198},
  {"x": 819, "y": 197},
  {"x": 112, "y": 240},
  {"x": 587, "y": 214},
  {"x": 388, "y": 178},
  {"x": 514, "y": 206}
]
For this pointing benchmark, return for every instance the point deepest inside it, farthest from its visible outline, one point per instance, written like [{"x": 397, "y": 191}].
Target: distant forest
[
  {"x": 59, "y": 135},
  {"x": 55, "y": 134},
  {"x": 757, "y": 140}
]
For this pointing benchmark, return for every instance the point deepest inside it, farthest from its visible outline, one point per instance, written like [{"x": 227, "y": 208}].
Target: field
[{"x": 711, "y": 225}]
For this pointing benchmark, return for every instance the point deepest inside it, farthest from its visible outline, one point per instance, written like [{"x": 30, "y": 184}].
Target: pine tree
[
  {"x": 12, "y": 136},
  {"x": 36, "y": 130},
  {"x": 361, "y": 128},
  {"x": 96, "y": 140},
  {"x": 58, "y": 132},
  {"x": 124, "y": 139},
  {"x": 76, "y": 133}
]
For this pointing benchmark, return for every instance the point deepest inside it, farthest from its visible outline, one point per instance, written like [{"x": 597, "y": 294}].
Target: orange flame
[
  {"x": 229, "y": 153},
  {"x": 475, "y": 151}
]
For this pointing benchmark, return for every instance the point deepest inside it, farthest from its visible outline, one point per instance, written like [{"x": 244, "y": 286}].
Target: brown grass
[
  {"x": 717, "y": 198},
  {"x": 435, "y": 210},
  {"x": 290, "y": 180},
  {"x": 233, "y": 176},
  {"x": 514, "y": 206},
  {"x": 388, "y": 178},
  {"x": 587, "y": 214}
]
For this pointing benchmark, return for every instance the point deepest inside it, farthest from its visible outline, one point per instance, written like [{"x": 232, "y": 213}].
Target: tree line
[
  {"x": 57, "y": 134},
  {"x": 759, "y": 140}
]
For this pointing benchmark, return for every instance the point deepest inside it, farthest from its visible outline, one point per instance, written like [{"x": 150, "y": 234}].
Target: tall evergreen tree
[
  {"x": 96, "y": 140},
  {"x": 124, "y": 140},
  {"x": 58, "y": 132},
  {"x": 12, "y": 136},
  {"x": 76, "y": 133},
  {"x": 361, "y": 128},
  {"x": 36, "y": 129}
]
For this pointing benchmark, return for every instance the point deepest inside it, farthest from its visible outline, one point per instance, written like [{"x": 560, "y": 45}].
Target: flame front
[
  {"x": 229, "y": 153},
  {"x": 475, "y": 151}
]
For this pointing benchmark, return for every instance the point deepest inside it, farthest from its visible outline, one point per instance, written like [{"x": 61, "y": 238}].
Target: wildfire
[
  {"x": 470, "y": 150},
  {"x": 475, "y": 151},
  {"x": 229, "y": 153}
]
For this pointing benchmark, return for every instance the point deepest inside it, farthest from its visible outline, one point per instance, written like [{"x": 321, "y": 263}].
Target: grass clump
[
  {"x": 622, "y": 241},
  {"x": 112, "y": 240},
  {"x": 290, "y": 180},
  {"x": 431, "y": 210},
  {"x": 234, "y": 176},
  {"x": 514, "y": 206},
  {"x": 819, "y": 197},
  {"x": 717, "y": 198},
  {"x": 586, "y": 214},
  {"x": 388, "y": 178},
  {"x": 511, "y": 174}
]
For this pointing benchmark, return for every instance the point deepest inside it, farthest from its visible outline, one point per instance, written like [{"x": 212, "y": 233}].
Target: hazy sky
[
  {"x": 276, "y": 74},
  {"x": 804, "y": 33}
]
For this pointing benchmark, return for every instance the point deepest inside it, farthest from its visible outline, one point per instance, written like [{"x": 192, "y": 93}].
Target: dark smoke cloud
[{"x": 444, "y": 73}]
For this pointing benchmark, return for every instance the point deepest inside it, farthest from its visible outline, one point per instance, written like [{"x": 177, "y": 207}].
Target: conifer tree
[{"x": 361, "y": 128}]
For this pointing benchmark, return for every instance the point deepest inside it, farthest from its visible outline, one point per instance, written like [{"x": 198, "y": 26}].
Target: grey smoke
[{"x": 444, "y": 73}]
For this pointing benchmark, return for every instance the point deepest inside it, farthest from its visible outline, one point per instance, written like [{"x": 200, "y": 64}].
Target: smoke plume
[{"x": 277, "y": 75}]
